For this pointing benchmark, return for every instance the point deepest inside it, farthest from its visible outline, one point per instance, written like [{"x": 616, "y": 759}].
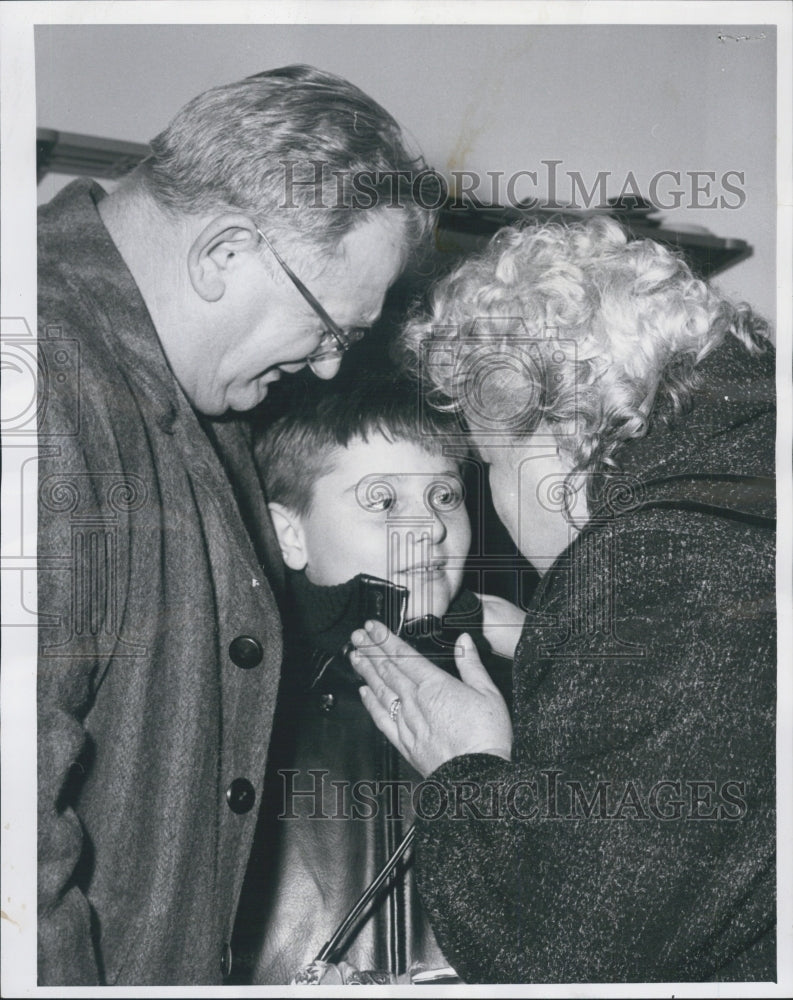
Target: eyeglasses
[{"x": 334, "y": 341}]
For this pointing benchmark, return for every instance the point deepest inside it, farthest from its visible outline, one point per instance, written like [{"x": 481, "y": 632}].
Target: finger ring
[{"x": 393, "y": 711}]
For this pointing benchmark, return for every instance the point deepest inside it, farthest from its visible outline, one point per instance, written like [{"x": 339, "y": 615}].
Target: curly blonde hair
[{"x": 573, "y": 326}]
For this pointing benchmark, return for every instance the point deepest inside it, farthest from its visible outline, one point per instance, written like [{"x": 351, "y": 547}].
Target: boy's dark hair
[{"x": 294, "y": 450}]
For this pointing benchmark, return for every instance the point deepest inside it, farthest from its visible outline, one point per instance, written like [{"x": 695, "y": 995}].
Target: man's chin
[
  {"x": 249, "y": 396},
  {"x": 244, "y": 406}
]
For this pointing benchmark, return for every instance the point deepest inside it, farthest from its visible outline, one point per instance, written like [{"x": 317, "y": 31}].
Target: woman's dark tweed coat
[
  {"x": 147, "y": 710},
  {"x": 648, "y": 656}
]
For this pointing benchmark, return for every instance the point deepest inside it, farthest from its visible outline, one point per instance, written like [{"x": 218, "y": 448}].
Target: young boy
[{"x": 368, "y": 506}]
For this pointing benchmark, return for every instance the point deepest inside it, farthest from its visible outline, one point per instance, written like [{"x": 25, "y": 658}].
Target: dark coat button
[
  {"x": 246, "y": 651},
  {"x": 326, "y": 702},
  {"x": 240, "y": 795},
  {"x": 225, "y": 960}
]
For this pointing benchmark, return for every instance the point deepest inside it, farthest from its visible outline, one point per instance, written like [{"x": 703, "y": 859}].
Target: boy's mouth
[{"x": 431, "y": 568}]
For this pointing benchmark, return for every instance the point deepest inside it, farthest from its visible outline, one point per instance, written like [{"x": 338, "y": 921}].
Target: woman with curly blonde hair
[{"x": 626, "y": 832}]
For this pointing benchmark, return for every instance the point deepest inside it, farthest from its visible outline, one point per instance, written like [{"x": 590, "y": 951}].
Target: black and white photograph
[{"x": 397, "y": 536}]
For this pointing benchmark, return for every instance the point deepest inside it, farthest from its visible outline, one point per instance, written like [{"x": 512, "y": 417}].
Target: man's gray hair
[{"x": 305, "y": 153}]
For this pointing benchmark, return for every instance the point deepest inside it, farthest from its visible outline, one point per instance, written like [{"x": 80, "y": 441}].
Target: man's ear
[
  {"x": 291, "y": 537},
  {"x": 214, "y": 252}
]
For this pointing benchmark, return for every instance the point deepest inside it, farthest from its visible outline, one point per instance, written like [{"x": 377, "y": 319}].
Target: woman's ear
[
  {"x": 214, "y": 250},
  {"x": 291, "y": 537}
]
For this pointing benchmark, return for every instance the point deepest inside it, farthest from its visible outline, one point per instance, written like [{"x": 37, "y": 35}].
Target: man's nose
[{"x": 326, "y": 368}]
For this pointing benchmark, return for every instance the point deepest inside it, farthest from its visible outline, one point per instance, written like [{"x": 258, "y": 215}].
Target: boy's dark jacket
[{"x": 323, "y": 848}]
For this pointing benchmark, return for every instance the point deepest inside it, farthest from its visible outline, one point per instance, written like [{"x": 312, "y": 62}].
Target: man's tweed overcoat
[{"x": 160, "y": 641}]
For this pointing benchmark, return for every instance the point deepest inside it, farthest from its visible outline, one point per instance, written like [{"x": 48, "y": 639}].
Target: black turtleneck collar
[{"x": 325, "y": 617}]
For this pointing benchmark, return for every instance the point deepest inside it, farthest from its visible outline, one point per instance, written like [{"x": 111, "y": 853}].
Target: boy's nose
[
  {"x": 436, "y": 530},
  {"x": 439, "y": 529}
]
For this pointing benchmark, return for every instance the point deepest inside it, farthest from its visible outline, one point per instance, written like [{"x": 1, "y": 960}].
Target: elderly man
[{"x": 171, "y": 301}]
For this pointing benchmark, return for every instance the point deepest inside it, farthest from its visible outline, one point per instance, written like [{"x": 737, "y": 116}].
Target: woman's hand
[
  {"x": 429, "y": 716},
  {"x": 502, "y": 624}
]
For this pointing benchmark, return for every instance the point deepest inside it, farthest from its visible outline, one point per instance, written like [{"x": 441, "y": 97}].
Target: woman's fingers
[
  {"x": 469, "y": 665},
  {"x": 429, "y": 716},
  {"x": 392, "y": 720},
  {"x": 502, "y": 624},
  {"x": 384, "y": 648},
  {"x": 366, "y": 668},
  {"x": 384, "y": 678},
  {"x": 380, "y": 716},
  {"x": 383, "y": 659},
  {"x": 385, "y": 684}
]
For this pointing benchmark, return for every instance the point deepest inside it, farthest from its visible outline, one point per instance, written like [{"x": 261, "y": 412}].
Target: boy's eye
[
  {"x": 376, "y": 494},
  {"x": 443, "y": 496}
]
